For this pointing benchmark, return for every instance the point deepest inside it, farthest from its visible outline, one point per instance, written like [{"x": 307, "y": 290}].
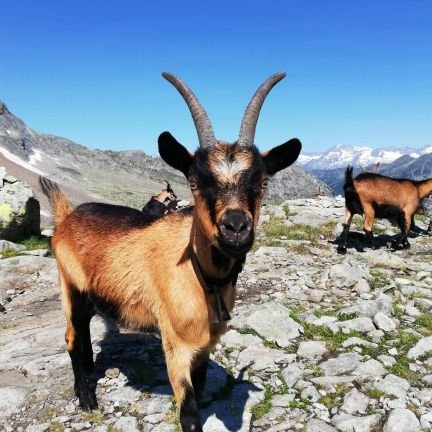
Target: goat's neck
[
  {"x": 425, "y": 188},
  {"x": 212, "y": 262}
]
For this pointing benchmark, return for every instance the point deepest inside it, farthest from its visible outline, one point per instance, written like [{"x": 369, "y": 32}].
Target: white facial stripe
[{"x": 228, "y": 170}]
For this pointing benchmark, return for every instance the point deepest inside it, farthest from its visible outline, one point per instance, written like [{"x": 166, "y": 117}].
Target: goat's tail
[
  {"x": 349, "y": 183},
  {"x": 57, "y": 199}
]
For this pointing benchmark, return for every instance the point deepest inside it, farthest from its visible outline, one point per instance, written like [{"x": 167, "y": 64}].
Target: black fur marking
[
  {"x": 199, "y": 374},
  {"x": 373, "y": 176},
  {"x": 155, "y": 208},
  {"x": 118, "y": 216},
  {"x": 352, "y": 199},
  {"x": 388, "y": 211},
  {"x": 82, "y": 354},
  {"x": 201, "y": 174},
  {"x": 189, "y": 413},
  {"x": 282, "y": 156},
  {"x": 105, "y": 307}
]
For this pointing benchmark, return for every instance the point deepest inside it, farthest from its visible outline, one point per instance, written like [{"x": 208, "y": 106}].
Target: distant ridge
[{"x": 126, "y": 177}]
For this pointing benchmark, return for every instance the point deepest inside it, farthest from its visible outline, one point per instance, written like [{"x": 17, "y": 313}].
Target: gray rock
[
  {"x": 311, "y": 393},
  {"x": 412, "y": 311},
  {"x": 355, "y": 402},
  {"x": 349, "y": 423},
  {"x": 370, "y": 368},
  {"x": 11, "y": 399},
  {"x": 283, "y": 400},
  {"x": 330, "y": 382},
  {"x": 346, "y": 362},
  {"x": 127, "y": 424},
  {"x": 381, "y": 258},
  {"x": 7, "y": 245},
  {"x": 361, "y": 324},
  {"x": 393, "y": 385},
  {"x": 272, "y": 321},
  {"x": 311, "y": 349},
  {"x": 259, "y": 358},
  {"x": 355, "y": 341},
  {"x": 271, "y": 251},
  {"x": 345, "y": 276},
  {"x": 370, "y": 308},
  {"x": 423, "y": 303},
  {"x": 123, "y": 394},
  {"x": 37, "y": 427},
  {"x": 292, "y": 373},
  {"x": 383, "y": 322},
  {"x": 386, "y": 360},
  {"x": 361, "y": 287},
  {"x": 402, "y": 420},
  {"x": 316, "y": 425},
  {"x": 237, "y": 340},
  {"x": 423, "y": 346},
  {"x": 19, "y": 210}
]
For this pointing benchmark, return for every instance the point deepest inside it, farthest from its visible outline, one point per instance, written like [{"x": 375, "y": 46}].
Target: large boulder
[{"x": 19, "y": 209}]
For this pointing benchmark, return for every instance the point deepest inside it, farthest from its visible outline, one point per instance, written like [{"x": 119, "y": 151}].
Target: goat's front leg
[
  {"x": 179, "y": 360},
  {"x": 199, "y": 371},
  {"x": 342, "y": 247}
]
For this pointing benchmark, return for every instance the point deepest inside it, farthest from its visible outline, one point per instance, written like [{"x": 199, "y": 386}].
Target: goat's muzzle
[{"x": 236, "y": 234}]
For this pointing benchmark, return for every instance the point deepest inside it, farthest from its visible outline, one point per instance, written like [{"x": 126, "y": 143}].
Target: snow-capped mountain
[{"x": 341, "y": 155}]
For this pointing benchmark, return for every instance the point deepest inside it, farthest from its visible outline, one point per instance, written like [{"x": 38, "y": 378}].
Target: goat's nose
[{"x": 235, "y": 225}]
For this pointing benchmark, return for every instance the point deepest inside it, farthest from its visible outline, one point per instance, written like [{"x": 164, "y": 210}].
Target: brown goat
[
  {"x": 110, "y": 257},
  {"x": 377, "y": 196}
]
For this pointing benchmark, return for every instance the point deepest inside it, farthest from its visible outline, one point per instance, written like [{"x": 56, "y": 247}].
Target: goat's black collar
[{"x": 213, "y": 286}]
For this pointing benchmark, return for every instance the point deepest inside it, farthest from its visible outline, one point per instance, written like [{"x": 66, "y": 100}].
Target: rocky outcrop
[{"x": 19, "y": 209}]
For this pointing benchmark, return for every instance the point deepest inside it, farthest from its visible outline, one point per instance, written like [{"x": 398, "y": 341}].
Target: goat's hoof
[
  {"x": 190, "y": 424},
  {"x": 341, "y": 250},
  {"x": 89, "y": 403}
]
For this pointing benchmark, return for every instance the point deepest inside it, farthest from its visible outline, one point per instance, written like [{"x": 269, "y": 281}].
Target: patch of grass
[
  {"x": 401, "y": 367},
  {"x": 286, "y": 209},
  {"x": 422, "y": 218},
  {"x": 424, "y": 322},
  {"x": 35, "y": 242},
  {"x": 264, "y": 406},
  {"x": 299, "y": 403},
  {"x": 299, "y": 249},
  {"x": 10, "y": 253},
  {"x": 93, "y": 417},
  {"x": 357, "y": 223},
  {"x": 56, "y": 427},
  {"x": 111, "y": 428},
  {"x": 276, "y": 228},
  {"x": 378, "y": 279},
  {"x": 346, "y": 317},
  {"x": 373, "y": 393},
  {"x": 332, "y": 400}
]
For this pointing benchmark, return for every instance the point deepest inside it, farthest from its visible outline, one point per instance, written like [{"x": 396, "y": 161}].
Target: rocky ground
[{"x": 319, "y": 342}]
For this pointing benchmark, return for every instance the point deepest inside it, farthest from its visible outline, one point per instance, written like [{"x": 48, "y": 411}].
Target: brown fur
[
  {"x": 375, "y": 192},
  {"x": 114, "y": 264}
]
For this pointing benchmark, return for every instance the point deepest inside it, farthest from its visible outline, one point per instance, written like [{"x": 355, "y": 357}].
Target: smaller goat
[
  {"x": 377, "y": 196},
  {"x": 157, "y": 207}
]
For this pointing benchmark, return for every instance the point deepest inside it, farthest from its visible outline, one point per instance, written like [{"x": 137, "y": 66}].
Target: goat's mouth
[{"x": 235, "y": 249}]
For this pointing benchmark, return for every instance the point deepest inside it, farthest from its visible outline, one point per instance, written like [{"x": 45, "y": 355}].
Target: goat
[
  {"x": 110, "y": 257},
  {"x": 374, "y": 195},
  {"x": 156, "y": 206}
]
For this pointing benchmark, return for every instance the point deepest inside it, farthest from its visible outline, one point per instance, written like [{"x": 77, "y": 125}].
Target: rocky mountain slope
[
  {"x": 318, "y": 342},
  {"x": 399, "y": 163},
  {"x": 340, "y": 156},
  {"x": 127, "y": 177}
]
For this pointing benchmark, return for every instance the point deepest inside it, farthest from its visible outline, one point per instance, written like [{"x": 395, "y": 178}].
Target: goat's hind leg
[{"x": 78, "y": 315}]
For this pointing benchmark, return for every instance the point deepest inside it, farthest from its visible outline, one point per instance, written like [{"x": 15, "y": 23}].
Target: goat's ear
[
  {"x": 174, "y": 154},
  {"x": 282, "y": 156}
]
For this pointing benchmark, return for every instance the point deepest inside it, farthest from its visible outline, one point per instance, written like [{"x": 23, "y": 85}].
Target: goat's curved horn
[
  {"x": 203, "y": 126},
  {"x": 250, "y": 118}
]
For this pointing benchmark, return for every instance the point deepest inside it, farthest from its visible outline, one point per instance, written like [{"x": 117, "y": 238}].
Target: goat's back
[{"x": 120, "y": 257}]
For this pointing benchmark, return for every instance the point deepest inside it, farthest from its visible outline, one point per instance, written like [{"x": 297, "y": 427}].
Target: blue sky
[{"x": 359, "y": 73}]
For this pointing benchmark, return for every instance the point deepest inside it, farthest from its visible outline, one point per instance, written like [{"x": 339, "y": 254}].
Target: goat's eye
[
  {"x": 193, "y": 185},
  {"x": 264, "y": 184}
]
